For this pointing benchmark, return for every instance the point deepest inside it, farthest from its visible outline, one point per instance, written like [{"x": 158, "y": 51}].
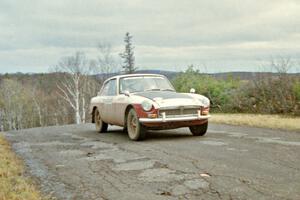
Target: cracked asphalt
[{"x": 230, "y": 162}]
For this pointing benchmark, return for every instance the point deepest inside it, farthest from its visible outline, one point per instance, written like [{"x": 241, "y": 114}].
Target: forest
[{"x": 62, "y": 96}]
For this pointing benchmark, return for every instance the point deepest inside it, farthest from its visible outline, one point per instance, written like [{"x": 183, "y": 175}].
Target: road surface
[{"x": 230, "y": 162}]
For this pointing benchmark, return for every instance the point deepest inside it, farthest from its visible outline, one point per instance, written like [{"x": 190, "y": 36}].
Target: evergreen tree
[{"x": 128, "y": 55}]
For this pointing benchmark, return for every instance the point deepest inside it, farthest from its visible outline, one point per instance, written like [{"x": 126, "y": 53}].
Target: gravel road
[{"x": 230, "y": 162}]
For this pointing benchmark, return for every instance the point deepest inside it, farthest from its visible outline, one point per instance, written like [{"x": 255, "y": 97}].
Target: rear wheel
[
  {"x": 101, "y": 126},
  {"x": 136, "y": 131},
  {"x": 199, "y": 130}
]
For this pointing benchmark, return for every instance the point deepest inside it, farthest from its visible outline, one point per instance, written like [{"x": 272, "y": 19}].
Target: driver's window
[{"x": 109, "y": 88}]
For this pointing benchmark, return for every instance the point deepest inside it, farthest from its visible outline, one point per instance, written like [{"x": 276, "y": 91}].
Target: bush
[
  {"x": 277, "y": 93},
  {"x": 218, "y": 91}
]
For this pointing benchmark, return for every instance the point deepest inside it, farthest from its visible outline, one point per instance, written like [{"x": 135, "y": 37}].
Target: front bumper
[{"x": 174, "y": 119}]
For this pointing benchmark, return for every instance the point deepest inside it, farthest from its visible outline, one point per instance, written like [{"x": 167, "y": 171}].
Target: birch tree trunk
[
  {"x": 37, "y": 107},
  {"x": 1, "y": 121},
  {"x": 77, "y": 108},
  {"x": 71, "y": 87},
  {"x": 83, "y": 110}
]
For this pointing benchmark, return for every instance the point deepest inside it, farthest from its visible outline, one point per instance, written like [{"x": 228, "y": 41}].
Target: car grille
[{"x": 179, "y": 111}]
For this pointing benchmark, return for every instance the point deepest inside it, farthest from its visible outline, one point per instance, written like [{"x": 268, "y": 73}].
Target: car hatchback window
[{"x": 109, "y": 88}]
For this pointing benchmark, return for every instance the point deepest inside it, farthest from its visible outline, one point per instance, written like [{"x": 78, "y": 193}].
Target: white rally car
[{"x": 139, "y": 102}]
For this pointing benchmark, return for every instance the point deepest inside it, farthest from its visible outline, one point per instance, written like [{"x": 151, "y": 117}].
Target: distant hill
[
  {"x": 169, "y": 74},
  {"x": 248, "y": 75},
  {"x": 222, "y": 75}
]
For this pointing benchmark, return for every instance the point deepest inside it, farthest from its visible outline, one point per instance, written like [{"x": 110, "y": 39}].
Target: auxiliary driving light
[
  {"x": 152, "y": 115},
  {"x": 205, "y": 111}
]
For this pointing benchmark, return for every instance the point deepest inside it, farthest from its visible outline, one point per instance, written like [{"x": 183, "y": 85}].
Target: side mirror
[
  {"x": 126, "y": 92},
  {"x": 192, "y": 90}
]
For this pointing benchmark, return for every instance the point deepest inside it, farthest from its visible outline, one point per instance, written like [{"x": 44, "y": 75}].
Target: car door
[
  {"x": 108, "y": 92},
  {"x": 120, "y": 103}
]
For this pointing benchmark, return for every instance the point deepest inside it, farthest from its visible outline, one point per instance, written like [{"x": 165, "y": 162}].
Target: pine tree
[{"x": 128, "y": 55}]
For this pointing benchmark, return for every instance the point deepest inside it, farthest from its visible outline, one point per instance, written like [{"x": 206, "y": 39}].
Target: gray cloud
[{"x": 225, "y": 35}]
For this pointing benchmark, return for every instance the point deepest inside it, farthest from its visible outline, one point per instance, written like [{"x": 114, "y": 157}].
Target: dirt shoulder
[
  {"x": 14, "y": 185},
  {"x": 256, "y": 120}
]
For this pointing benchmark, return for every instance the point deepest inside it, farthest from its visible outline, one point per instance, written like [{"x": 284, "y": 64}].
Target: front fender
[{"x": 203, "y": 99}]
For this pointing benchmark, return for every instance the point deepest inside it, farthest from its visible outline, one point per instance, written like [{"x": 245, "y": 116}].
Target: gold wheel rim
[
  {"x": 98, "y": 120},
  {"x": 132, "y": 126}
]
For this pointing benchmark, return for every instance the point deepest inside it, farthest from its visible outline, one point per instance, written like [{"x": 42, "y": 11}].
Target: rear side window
[{"x": 109, "y": 88}]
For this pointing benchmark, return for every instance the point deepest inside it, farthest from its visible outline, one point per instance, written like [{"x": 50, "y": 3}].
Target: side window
[{"x": 110, "y": 88}]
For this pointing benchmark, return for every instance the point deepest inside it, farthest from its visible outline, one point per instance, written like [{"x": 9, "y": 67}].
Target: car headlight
[
  {"x": 146, "y": 105},
  {"x": 205, "y": 101}
]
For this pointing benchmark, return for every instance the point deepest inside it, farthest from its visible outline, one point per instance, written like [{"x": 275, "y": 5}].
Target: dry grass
[
  {"x": 266, "y": 121},
  {"x": 13, "y": 184}
]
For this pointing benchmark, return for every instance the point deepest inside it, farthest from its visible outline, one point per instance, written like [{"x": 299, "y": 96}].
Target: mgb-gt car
[{"x": 141, "y": 102}]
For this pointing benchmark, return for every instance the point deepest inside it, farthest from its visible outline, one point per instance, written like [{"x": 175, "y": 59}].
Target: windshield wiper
[
  {"x": 154, "y": 89},
  {"x": 168, "y": 90}
]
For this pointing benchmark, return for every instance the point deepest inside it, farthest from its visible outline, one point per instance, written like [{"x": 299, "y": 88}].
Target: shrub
[
  {"x": 277, "y": 93},
  {"x": 218, "y": 91}
]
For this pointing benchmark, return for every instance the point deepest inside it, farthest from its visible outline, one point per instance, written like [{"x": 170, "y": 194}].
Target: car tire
[
  {"x": 199, "y": 130},
  {"x": 136, "y": 131},
  {"x": 125, "y": 130},
  {"x": 101, "y": 126}
]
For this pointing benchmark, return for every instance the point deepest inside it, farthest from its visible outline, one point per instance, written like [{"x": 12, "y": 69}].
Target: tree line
[
  {"x": 61, "y": 96},
  {"x": 266, "y": 93}
]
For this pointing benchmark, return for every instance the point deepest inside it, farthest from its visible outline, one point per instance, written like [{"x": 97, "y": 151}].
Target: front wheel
[
  {"x": 199, "y": 130},
  {"x": 136, "y": 131},
  {"x": 101, "y": 126}
]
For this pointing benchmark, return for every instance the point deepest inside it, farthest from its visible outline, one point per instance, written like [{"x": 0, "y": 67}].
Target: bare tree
[
  {"x": 75, "y": 71},
  {"x": 105, "y": 64},
  {"x": 106, "y": 61},
  {"x": 37, "y": 102},
  {"x": 282, "y": 65},
  {"x": 1, "y": 115},
  {"x": 274, "y": 92},
  {"x": 128, "y": 55},
  {"x": 15, "y": 103}
]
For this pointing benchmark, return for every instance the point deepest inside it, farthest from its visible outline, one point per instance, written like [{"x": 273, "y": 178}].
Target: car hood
[{"x": 170, "y": 99}]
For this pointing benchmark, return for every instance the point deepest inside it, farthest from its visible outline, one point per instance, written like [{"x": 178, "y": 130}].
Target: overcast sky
[{"x": 227, "y": 35}]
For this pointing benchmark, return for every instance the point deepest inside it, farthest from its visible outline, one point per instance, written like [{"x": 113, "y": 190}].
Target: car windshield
[{"x": 145, "y": 83}]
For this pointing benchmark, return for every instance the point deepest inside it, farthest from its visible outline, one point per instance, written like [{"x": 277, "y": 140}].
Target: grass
[
  {"x": 258, "y": 120},
  {"x": 13, "y": 184}
]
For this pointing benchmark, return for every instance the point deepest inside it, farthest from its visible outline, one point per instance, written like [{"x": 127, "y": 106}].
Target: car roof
[{"x": 132, "y": 75}]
